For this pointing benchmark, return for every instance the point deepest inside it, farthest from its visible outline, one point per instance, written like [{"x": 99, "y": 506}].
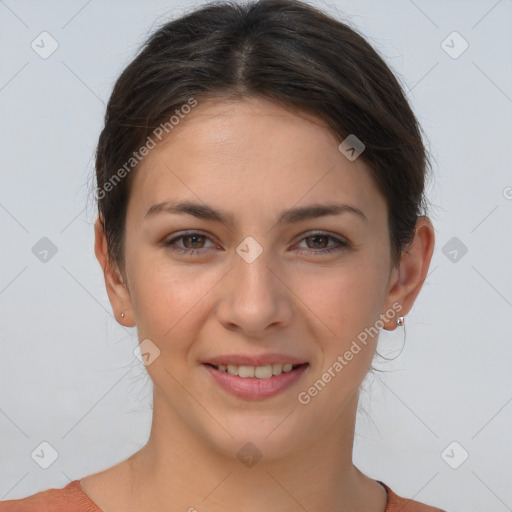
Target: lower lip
[{"x": 254, "y": 388}]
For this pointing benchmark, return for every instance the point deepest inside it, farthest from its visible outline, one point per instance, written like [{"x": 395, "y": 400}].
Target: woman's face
[{"x": 263, "y": 282}]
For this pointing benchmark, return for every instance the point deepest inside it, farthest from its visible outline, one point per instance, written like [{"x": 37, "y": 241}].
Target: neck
[{"x": 178, "y": 469}]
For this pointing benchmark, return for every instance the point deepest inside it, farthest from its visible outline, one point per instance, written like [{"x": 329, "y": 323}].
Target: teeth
[{"x": 260, "y": 372}]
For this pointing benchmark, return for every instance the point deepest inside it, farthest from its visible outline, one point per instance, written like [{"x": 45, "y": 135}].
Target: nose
[{"x": 255, "y": 298}]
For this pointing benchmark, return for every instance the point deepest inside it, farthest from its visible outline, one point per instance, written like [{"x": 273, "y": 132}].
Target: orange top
[{"x": 72, "y": 498}]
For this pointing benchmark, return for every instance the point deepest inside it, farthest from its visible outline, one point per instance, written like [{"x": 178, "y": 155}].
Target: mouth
[
  {"x": 256, "y": 382},
  {"x": 257, "y": 372}
]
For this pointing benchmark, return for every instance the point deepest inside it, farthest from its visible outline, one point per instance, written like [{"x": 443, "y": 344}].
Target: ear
[
  {"x": 115, "y": 284},
  {"x": 406, "y": 280}
]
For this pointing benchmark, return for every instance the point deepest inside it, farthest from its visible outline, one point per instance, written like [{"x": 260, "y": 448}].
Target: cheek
[
  {"x": 168, "y": 299},
  {"x": 344, "y": 300},
  {"x": 348, "y": 303}
]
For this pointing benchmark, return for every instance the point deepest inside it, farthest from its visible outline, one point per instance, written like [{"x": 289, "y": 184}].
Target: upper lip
[{"x": 260, "y": 360}]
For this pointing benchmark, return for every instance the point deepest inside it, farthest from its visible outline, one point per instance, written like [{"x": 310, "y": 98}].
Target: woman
[{"x": 261, "y": 217}]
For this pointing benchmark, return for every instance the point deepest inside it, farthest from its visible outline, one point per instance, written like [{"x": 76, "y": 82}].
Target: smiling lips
[
  {"x": 259, "y": 372},
  {"x": 255, "y": 377},
  {"x": 260, "y": 367},
  {"x": 247, "y": 360}
]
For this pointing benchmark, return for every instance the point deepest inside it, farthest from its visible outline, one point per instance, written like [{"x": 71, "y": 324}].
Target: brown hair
[{"x": 283, "y": 50}]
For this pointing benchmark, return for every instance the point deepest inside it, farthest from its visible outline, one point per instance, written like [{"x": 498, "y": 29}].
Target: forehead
[{"x": 251, "y": 152}]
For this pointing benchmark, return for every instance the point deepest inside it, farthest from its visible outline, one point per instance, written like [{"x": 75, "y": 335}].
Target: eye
[
  {"x": 194, "y": 243},
  {"x": 193, "y": 239},
  {"x": 320, "y": 239}
]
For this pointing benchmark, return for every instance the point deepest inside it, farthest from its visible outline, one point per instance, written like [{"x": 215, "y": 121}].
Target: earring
[
  {"x": 400, "y": 321},
  {"x": 122, "y": 315}
]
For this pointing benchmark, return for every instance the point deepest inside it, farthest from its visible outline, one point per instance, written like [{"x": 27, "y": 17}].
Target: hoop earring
[{"x": 400, "y": 321}]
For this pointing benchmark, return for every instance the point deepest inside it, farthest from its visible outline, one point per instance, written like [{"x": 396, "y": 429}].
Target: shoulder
[
  {"x": 398, "y": 504},
  {"x": 70, "y": 498}
]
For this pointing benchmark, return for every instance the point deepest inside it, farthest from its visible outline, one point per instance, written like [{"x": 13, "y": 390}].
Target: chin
[{"x": 251, "y": 440}]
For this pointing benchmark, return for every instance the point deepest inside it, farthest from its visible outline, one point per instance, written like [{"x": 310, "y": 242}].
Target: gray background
[{"x": 68, "y": 376}]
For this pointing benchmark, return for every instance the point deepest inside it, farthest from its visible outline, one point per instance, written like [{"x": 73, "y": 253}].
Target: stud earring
[
  {"x": 400, "y": 321},
  {"x": 122, "y": 315}
]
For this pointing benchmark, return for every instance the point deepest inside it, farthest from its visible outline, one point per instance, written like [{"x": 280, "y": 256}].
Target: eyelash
[{"x": 169, "y": 244}]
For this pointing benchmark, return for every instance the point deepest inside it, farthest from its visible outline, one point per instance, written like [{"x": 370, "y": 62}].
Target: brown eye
[
  {"x": 319, "y": 241},
  {"x": 192, "y": 243}
]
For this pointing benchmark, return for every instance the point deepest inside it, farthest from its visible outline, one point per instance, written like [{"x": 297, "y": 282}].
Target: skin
[{"x": 253, "y": 159}]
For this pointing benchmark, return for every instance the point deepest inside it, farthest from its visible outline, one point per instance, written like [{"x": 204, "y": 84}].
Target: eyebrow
[{"x": 293, "y": 215}]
